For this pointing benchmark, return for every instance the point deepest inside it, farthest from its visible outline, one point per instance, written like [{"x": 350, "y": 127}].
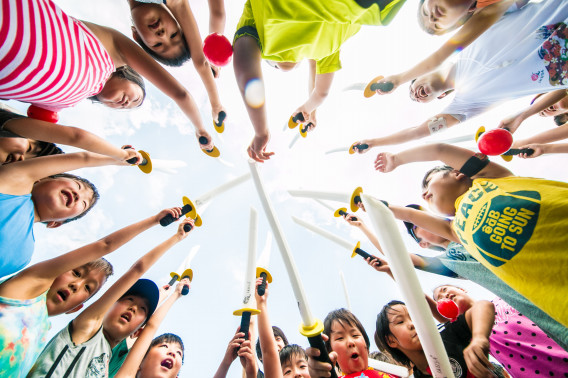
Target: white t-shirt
[{"x": 514, "y": 58}]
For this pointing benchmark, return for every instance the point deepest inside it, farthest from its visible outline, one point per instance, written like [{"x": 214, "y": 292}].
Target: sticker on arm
[{"x": 437, "y": 125}]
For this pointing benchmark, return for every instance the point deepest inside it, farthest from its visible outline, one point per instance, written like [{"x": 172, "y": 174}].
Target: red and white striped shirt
[{"x": 48, "y": 58}]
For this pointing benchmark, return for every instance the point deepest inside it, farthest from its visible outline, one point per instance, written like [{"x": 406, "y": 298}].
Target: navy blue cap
[
  {"x": 410, "y": 226},
  {"x": 145, "y": 288}
]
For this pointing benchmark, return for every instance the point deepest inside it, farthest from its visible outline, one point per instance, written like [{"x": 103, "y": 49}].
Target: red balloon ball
[
  {"x": 448, "y": 308},
  {"x": 217, "y": 49},
  {"x": 42, "y": 114},
  {"x": 495, "y": 142}
]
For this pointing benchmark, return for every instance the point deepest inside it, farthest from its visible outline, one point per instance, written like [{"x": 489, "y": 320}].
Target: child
[
  {"x": 287, "y": 32},
  {"x": 465, "y": 340},
  {"x": 294, "y": 361},
  {"x": 493, "y": 69},
  {"x": 238, "y": 347},
  {"x": 169, "y": 33},
  {"x": 163, "y": 355},
  {"x": 456, "y": 262},
  {"x": 515, "y": 341},
  {"x": 514, "y": 226},
  {"x": 83, "y": 348},
  {"x": 347, "y": 344},
  {"x": 53, "y": 287},
  {"x": 30, "y": 77},
  {"x": 438, "y": 17},
  {"x": 36, "y": 191},
  {"x": 15, "y": 128}
]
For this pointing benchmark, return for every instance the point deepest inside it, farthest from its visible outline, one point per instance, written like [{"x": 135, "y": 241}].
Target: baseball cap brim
[{"x": 146, "y": 289}]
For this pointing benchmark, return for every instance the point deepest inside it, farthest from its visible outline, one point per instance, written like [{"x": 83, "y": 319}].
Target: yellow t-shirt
[
  {"x": 293, "y": 30},
  {"x": 518, "y": 228}
]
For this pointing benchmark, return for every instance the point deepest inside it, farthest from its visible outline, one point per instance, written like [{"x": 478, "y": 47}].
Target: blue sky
[{"x": 204, "y": 318}]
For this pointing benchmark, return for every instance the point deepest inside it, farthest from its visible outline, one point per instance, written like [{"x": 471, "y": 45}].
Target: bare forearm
[
  {"x": 270, "y": 356},
  {"x": 402, "y": 136},
  {"x": 482, "y": 317},
  {"x": 204, "y": 70},
  {"x": 216, "y": 16},
  {"x": 543, "y": 102},
  {"x": 424, "y": 220},
  {"x": 553, "y": 135},
  {"x": 434, "y": 309},
  {"x": 371, "y": 236},
  {"x": 145, "y": 262}
]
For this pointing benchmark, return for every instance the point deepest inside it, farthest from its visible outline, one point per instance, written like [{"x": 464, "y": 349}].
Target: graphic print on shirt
[{"x": 554, "y": 52}]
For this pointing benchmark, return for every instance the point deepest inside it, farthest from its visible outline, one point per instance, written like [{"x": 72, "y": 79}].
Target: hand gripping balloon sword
[
  {"x": 185, "y": 269},
  {"x": 249, "y": 303},
  {"x": 406, "y": 278},
  {"x": 189, "y": 211},
  {"x": 311, "y": 327}
]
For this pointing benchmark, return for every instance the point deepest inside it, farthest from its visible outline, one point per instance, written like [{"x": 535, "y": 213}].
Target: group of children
[{"x": 506, "y": 233}]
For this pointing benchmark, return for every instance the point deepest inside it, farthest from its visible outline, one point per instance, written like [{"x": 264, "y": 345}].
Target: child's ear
[
  {"x": 134, "y": 33},
  {"x": 53, "y": 224},
  {"x": 137, "y": 332},
  {"x": 75, "y": 309},
  {"x": 392, "y": 341}
]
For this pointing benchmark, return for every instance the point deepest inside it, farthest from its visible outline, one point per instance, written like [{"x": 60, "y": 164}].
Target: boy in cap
[{"x": 84, "y": 347}]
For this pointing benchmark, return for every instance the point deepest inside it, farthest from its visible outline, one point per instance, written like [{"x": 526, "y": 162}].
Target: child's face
[
  {"x": 279, "y": 343},
  {"x": 403, "y": 334},
  {"x": 125, "y": 316},
  {"x": 455, "y": 294},
  {"x": 162, "y": 361},
  {"x": 443, "y": 189},
  {"x": 427, "y": 87},
  {"x": 349, "y": 344},
  {"x": 72, "y": 288},
  {"x": 158, "y": 29},
  {"x": 17, "y": 149},
  {"x": 296, "y": 367},
  {"x": 119, "y": 93},
  {"x": 427, "y": 238},
  {"x": 560, "y": 107},
  {"x": 61, "y": 198},
  {"x": 441, "y": 15}
]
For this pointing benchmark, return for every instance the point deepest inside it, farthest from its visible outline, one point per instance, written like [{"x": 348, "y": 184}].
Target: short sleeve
[{"x": 330, "y": 63}]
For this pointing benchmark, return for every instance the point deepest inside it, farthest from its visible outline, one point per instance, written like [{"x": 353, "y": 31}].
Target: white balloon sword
[
  {"x": 205, "y": 198},
  {"x": 185, "y": 270},
  {"x": 249, "y": 302},
  {"x": 334, "y": 238},
  {"x": 262, "y": 265},
  {"x": 311, "y": 327},
  {"x": 345, "y": 290},
  {"x": 406, "y": 278}
]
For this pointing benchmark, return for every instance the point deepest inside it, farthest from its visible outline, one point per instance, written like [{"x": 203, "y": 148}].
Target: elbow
[
  {"x": 77, "y": 136},
  {"x": 181, "y": 95}
]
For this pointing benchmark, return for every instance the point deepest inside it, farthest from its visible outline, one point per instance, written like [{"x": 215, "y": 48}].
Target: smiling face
[
  {"x": 349, "y": 344},
  {"x": 17, "y": 149},
  {"x": 163, "y": 360},
  {"x": 125, "y": 317},
  {"x": 557, "y": 108},
  {"x": 72, "y": 288},
  {"x": 440, "y": 16},
  {"x": 61, "y": 198},
  {"x": 443, "y": 189},
  {"x": 459, "y": 296},
  {"x": 119, "y": 93},
  {"x": 427, "y": 87},
  {"x": 296, "y": 367},
  {"x": 403, "y": 334},
  {"x": 158, "y": 29}
]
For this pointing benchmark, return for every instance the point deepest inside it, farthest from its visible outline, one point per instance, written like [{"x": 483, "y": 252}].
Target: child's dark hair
[
  {"x": 277, "y": 333},
  {"x": 561, "y": 119},
  {"x": 440, "y": 168},
  {"x": 127, "y": 73},
  {"x": 89, "y": 184},
  {"x": 288, "y": 353},
  {"x": 47, "y": 148},
  {"x": 176, "y": 61},
  {"x": 168, "y": 338},
  {"x": 343, "y": 316},
  {"x": 458, "y": 24},
  {"x": 383, "y": 332}
]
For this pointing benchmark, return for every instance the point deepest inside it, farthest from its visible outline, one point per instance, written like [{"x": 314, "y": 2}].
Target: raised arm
[
  {"x": 230, "y": 355},
  {"x": 87, "y": 323},
  {"x": 481, "y": 21},
  {"x": 182, "y": 12},
  {"x": 480, "y": 318},
  {"x": 512, "y": 123},
  {"x": 18, "y": 178},
  {"x": 216, "y": 16},
  {"x": 39, "y": 277},
  {"x": 548, "y": 136},
  {"x": 270, "y": 355},
  {"x": 67, "y": 135},
  {"x": 450, "y": 155},
  {"x": 321, "y": 87},
  {"x": 412, "y": 133},
  {"x": 140, "y": 347}
]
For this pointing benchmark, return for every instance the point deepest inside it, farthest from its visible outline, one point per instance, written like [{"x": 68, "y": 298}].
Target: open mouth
[
  {"x": 9, "y": 159},
  {"x": 126, "y": 316},
  {"x": 168, "y": 363},
  {"x": 354, "y": 356},
  {"x": 63, "y": 294},
  {"x": 67, "y": 198}
]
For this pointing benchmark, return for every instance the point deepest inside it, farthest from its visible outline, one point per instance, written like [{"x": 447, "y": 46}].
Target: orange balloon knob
[
  {"x": 495, "y": 142},
  {"x": 42, "y": 114},
  {"x": 217, "y": 49},
  {"x": 448, "y": 309}
]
